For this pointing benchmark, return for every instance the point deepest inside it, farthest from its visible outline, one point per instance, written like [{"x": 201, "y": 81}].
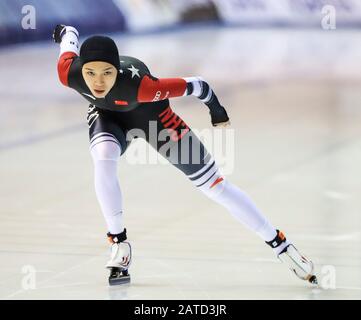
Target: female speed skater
[{"x": 124, "y": 96}]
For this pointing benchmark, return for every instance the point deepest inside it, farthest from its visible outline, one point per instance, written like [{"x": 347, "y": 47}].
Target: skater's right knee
[{"x": 105, "y": 147}]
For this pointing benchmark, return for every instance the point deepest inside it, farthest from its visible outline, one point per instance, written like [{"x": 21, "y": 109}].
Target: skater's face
[{"x": 100, "y": 77}]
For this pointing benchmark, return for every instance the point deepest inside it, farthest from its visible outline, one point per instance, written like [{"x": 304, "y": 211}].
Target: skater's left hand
[{"x": 219, "y": 117}]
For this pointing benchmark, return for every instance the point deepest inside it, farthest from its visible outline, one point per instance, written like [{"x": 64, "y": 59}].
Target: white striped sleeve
[{"x": 70, "y": 41}]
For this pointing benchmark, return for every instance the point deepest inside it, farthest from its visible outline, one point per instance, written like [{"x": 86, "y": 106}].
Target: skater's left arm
[{"x": 152, "y": 89}]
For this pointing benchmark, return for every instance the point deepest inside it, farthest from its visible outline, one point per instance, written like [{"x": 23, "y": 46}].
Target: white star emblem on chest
[{"x": 135, "y": 71}]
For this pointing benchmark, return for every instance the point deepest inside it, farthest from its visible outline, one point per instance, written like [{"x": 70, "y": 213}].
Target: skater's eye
[
  {"x": 107, "y": 73},
  {"x": 90, "y": 73}
]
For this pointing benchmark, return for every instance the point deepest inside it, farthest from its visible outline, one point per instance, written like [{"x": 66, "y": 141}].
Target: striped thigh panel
[
  {"x": 207, "y": 177},
  {"x": 102, "y": 137}
]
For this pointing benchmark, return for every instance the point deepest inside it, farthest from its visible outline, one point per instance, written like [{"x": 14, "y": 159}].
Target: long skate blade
[
  {"x": 298, "y": 264},
  {"x": 114, "y": 281}
]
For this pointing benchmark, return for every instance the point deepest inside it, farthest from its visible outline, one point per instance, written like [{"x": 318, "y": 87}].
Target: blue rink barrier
[{"x": 88, "y": 16}]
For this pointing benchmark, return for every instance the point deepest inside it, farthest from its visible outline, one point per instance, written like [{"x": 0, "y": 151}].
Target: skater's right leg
[
  {"x": 107, "y": 144},
  {"x": 105, "y": 152}
]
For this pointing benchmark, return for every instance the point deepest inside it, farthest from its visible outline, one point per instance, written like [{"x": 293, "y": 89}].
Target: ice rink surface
[{"x": 294, "y": 100}]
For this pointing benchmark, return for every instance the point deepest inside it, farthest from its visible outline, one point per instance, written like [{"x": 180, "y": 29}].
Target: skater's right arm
[{"x": 68, "y": 37}]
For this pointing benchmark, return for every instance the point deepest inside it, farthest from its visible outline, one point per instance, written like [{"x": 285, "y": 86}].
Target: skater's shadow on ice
[{"x": 119, "y": 292}]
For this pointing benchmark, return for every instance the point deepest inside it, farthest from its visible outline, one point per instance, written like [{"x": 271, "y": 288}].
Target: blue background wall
[{"x": 89, "y": 16}]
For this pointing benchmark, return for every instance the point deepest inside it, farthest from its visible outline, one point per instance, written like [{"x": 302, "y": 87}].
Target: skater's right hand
[{"x": 60, "y": 30}]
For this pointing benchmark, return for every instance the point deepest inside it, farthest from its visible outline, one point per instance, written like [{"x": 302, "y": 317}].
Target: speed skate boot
[
  {"x": 120, "y": 258},
  {"x": 289, "y": 255}
]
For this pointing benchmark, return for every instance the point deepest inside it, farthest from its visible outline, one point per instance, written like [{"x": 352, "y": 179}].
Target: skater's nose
[{"x": 99, "y": 81}]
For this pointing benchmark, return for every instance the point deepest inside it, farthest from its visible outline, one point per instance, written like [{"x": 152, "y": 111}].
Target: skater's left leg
[
  {"x": 189, "y": 155},
  {"x": 210, "y": 181},
  {"x": 215, "y": 186}
]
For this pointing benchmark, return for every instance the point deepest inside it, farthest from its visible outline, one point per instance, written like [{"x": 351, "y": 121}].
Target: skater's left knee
[
  {"x": 209, "y": 180},
  {"x": 214, "y": 187}
]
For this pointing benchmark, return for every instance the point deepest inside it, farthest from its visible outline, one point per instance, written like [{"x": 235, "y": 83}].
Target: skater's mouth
[{"x": 97, "y": 91}]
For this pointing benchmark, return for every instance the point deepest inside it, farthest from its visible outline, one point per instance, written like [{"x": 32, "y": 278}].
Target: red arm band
[
  {"x": 64, "y": 64},
  {"x": 151, "y": 90}
]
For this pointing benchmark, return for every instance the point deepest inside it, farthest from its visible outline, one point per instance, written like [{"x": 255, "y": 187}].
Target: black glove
[
  {"x": 219, "y": 116},
  {"x": 58, "y": 33}
]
